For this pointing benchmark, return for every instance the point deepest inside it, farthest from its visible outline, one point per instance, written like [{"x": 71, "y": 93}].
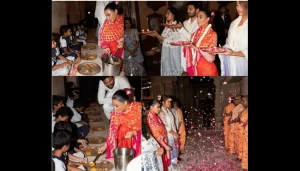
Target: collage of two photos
[{"x": 149, "y": 85}]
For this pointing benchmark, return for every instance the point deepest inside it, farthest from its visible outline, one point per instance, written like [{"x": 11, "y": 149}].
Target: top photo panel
[
  {"x": 87, "y": 38},
  {"x": 156, "y": 38},
  {"x": 205, "y": 38}
]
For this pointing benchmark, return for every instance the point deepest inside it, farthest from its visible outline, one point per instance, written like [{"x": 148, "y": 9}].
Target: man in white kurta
[
  {"x": 189, "y": 27},
  {"x": 107, "y": 87}
]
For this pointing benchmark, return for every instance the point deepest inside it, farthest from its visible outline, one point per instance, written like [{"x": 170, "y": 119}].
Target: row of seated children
[
  {"x": 71, "y": 42},
  {"x": 70, "y": 119}
]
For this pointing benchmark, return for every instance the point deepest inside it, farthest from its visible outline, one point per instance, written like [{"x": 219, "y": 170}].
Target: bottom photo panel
[
  {"x": 96, "y": 123},
  {"x": 195, "y": 123},
  {"x": 150, "y": 123}
]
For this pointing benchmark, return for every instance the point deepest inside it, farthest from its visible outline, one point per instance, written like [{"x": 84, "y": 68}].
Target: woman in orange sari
[
  {"x": 243, "y": 143},
  {"x": 125, "y": 124},
  {"x": 201, "y": 63},
  {"x": 158, "y": 131},
  {"x": 227, "y": 112},
  {"x": 233, "y": 125},
  {"x": 112, "y": 31}
]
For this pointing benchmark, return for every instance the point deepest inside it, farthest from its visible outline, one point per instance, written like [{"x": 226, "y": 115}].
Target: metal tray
[
  {"x": 88, "y": 56},
  {"x": 88, "y": 68}
]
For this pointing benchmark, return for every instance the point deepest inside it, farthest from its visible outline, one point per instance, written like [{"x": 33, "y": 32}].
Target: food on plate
[
  {"x": 88, "y": 152},
  {"x": 86, "y": 71},
  {"x": 94, "y": 169}
]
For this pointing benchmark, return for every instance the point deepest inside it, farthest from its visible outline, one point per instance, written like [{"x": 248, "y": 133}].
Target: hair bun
[{"x": 127, "y": 91}]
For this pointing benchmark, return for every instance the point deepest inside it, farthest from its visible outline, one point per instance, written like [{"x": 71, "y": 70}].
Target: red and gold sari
[
  {"x": 112, "y": 36},
  {"x": 159, "y": 132},
  {"x": 120, "y": 125},
  {"x": 196, "y": 64}
]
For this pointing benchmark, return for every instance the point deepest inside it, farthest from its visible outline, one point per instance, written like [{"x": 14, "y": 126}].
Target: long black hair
[
  {"x": 151, "y": 103},
  {"x": 145, "y": 129}
]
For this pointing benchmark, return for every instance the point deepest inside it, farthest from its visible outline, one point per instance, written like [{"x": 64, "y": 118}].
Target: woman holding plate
[
  {"x": 198, "y": 62},
  {"x": 235, "y": 61},
  {"x": 170, "y": 55}
]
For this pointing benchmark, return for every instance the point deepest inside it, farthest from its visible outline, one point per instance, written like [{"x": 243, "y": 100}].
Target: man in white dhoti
[
  {"x": 107, "y": 87},
  {"x": 189, "y": 27},
  {"x": 99, "y": 14}
]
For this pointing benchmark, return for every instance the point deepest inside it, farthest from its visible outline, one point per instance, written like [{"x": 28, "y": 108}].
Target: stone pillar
[{"x": 218, "y": 81}]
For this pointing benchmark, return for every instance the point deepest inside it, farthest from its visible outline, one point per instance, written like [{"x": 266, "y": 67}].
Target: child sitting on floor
[
  {"x": 65, "y": 45},
  {"x": 76, "y": 156},
  {"x": 79, "y": 119},
  {"x": 73, "y": 94},
  {"x": 61, "y": 142},
  {"x": 80, "y": 35},
  {"x": 74, "y": 44},
  {"x": 60, "y": 64}
]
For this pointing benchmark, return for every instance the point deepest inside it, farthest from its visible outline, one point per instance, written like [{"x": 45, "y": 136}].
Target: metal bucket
[
  {"x": 109, "y": 69},
  {"x": 122, "y": 156}
]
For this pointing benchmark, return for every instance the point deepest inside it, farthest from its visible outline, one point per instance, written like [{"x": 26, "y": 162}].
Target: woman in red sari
[
  {"x": 112, "y": 31},
  {"x": 125, "y": 124},
  {"x": 201, "y": 63},
  {"x": 158, "y": 131}
]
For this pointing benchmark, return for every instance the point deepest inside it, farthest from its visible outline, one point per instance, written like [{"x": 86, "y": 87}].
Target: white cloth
[
  {"x": 185, "y": 33},
  {"x": 120, "y": 83},
  {"x": 134, "y": 164},
  {"x": 170, "y": 55},
  {"x": 105, "y": 94},
  {"x": 169, "y": 122},
  {"x": 99, "y": 11},
  {"x": 107, "y": 108},
  {"x": 188, "y": 29},
  {"x": 80, "y": 36},
  {"x": 99, "y": 14},
  {"x": 150, "y": 160},
  {"x": 76, "y": 117},
  {"x": 237, "y": 40},
  {"x": 80, "y": 40},
  {"x": 80, "y": 155},
  {"x": 176, "y": 120},
  {"x": 62, "y": 71},
  {"x": 59, "y": 165},
  {"x": 53, "y": 124},
  {"x": 63, "y": 42},
  {"x": 53, "y": 116},
  {"x": 70, "y": 103}
]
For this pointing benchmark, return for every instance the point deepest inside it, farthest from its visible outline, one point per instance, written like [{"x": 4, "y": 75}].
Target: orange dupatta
[
  {"x": 131, "y": 118},
  {"x": 112, "y": 36}
]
